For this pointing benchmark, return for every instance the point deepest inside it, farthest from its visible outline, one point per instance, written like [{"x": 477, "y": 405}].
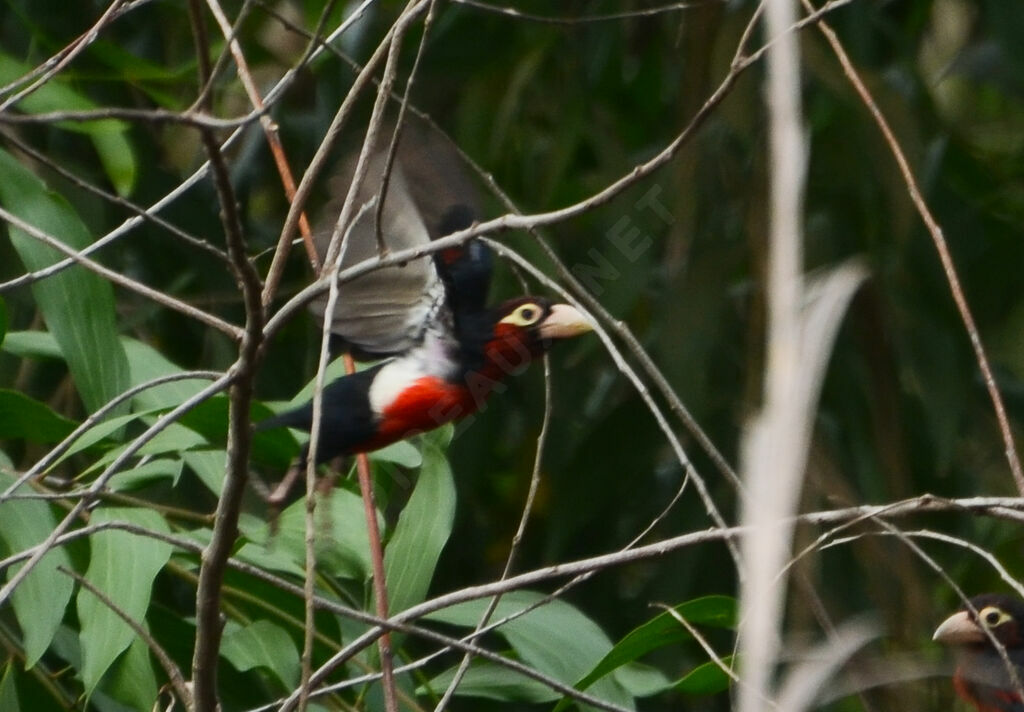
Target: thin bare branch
[
  {"x": 584, "y": 19},
  {"x": 941, "y": 247},
  {"x": 169, "y": 666},
  {"x": 64, "y": 445},
  {"x": 101, "y": 481},
  {"x": 48, "y": 69},
  {"x": 119, "y": 279}
]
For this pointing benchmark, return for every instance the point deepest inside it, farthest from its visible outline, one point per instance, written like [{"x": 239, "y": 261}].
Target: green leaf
[
  {"x": 556, "y": 638},
  {"x": 173, "y": 440},
  {"x": 8, "y": 692},
  {"x": 145, "y": 364},
  {"x": 263, "y": 644},
  {"x": 422, "y": 531},
  {"x": 22, "y": 417},
  {"x": 110, "y": 139},
  {"x": 141, "y": 475},
  {"x": 40, "y": 600},
  {"x": 493, "y": 682},
  {"x": 342, "y": 545},
  {"x": 274, "y": 448},
  {"x": 402, "y": 453},
  {"x": 96, "y": 434},
  {"x": 109, "y": 136},
  {"x": 705, "y": 679},
  {"x": 123, "y": 566},
  {"x": 29, "y": 344},
  {"x": 78, "y": 305},
  {"x": 208, "y": 466},
  {"x": 133, "y": 680},
  {"x": 642, "y": 680},
  {"x": 659, "y": 632}
]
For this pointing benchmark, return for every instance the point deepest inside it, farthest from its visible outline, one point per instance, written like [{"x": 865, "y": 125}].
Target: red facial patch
[
  {"x": 508, "y": 353},
  {"x": 425, "y": 404}
]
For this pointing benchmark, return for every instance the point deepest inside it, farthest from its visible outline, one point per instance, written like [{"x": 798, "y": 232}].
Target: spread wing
[{"x": 387, "y": 311}]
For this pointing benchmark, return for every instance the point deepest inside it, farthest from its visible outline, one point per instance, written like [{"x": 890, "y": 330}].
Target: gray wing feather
[
  {"x": 382, "y": 311},
  {"x": 387, "y": 311}
]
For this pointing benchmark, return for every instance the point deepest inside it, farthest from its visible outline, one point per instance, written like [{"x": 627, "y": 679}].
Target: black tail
[{"x": 346, "y": 422}]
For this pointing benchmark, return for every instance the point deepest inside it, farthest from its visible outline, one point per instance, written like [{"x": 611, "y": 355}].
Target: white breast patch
[
  {"x": 392, "y": 379},
  {"x": 433, "y": 357}
]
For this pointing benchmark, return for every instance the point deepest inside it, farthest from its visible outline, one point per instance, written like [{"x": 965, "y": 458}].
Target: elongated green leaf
[
  {"x": 97, "y": 433},
  {"x": 23, "y": 417},
  {"x": 3, "y": 321},
  {"x": 661, "y": 631},
  {"x": 706, "y": 679},
  {"x": 556, "y": 639},
  {"x": 133, "y": 680},
  {"x": 40, "y": 600},
  {"x": 122, "y": 566},
  {"x": 208, "y": 466},
  {"x": 641, "y": 680},
  {"x": 78, "y": 306},
  {"x": 401, "y": 453},
  {"x": 422, "y": 530},
  {"x": 494, "y": 682},
  {"x": 146, "y": 363},
  {"x": 161, "y": 468},
  {"x": 265, "y": 645},
  {"x": 174, "y": 440},
  {"x": 342, "y": 545},
  {"x": 109, "y": 136},
  {"x": 32, "y": 344},
  {"x": 110, "y": 140}
]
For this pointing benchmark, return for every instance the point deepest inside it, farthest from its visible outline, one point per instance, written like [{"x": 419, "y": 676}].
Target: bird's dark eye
[
  {"x": 992, "y": 616},
  {"x": 524, "y": 315}
]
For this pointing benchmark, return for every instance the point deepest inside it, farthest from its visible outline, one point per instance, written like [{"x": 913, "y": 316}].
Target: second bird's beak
[
  {"x": 959, "y": 629},
  {"x": 564, "y": 322}
]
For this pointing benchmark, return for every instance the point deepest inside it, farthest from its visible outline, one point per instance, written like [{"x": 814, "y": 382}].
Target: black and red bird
[
  {"x": 982, "y": 676},
  {"x": 446, "y": 349}
]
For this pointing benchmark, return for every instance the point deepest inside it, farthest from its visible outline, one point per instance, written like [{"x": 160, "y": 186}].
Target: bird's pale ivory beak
[
  {"x": 564, "y": 322},
  {"x": 959, "y": 629}
]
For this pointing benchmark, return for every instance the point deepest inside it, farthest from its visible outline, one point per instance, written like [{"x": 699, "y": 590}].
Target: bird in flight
[{"x": 446, "y": 349}]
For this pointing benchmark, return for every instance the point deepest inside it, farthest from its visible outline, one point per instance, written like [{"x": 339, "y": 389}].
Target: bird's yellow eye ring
[
  {"x": 993, "y": 616},
  {"x": 524, "y": 315}
]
